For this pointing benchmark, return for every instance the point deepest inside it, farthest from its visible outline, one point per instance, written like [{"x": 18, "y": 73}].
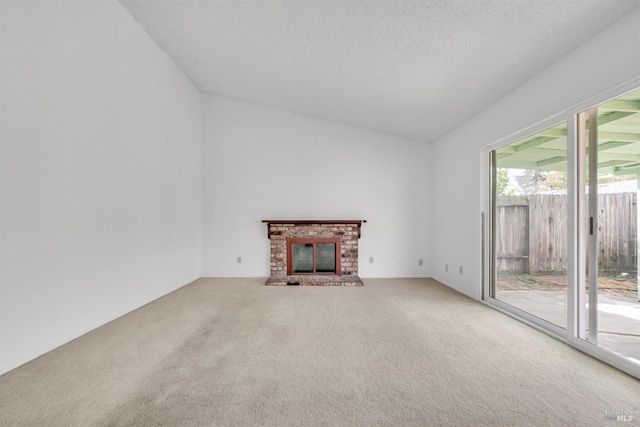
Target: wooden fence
[{"x": 531, "y": 233}]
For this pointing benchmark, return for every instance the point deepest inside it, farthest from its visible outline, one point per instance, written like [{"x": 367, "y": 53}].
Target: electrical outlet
[
  {"x": 239, "y": 259},
  {"x": 370, "y": 260},
  {"x": 460, "y": 269},
  {"x": 420, "y": 262},
  {"x": 446, "y": 268}
]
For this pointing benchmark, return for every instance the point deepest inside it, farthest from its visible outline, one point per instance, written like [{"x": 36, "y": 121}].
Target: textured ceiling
[{"x": 412, "y": 68}]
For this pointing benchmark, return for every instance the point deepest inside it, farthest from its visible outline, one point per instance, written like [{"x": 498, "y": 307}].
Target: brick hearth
[
  {"x": 307, "y": 280},
  {"x": 348, "y": 233}
]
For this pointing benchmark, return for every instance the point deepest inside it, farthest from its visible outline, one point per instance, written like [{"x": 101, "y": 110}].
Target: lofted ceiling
[{"x": 411, "y": 68}]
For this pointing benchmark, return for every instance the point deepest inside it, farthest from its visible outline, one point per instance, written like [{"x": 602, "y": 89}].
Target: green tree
[
  {"x": 502, "y": 181},
  {"x": 555, "y": 180}
]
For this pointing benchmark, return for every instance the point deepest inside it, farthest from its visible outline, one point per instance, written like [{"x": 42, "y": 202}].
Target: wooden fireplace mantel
[{"x": 269, "y": 222}]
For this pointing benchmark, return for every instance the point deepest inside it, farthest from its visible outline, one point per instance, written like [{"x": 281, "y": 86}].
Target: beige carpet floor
[{"x": 232, "y": 352}]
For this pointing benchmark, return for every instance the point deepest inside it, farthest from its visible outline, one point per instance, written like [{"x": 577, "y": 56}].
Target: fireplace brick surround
[{"x": 282, "y": 232}]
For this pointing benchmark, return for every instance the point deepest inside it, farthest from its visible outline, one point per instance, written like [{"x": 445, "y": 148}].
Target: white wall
[
  {"x": 99, "y": 172},
  {"x": 607, "y": 60},
  {"x": 262, "y": 163}
]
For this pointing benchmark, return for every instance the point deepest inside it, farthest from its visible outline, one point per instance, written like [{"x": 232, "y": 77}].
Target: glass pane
[
  {"x": 302, "y": 261},
  {"x": 325, "y": 257},
  {"x": 530, "y": 224},
  {"x": 616, "y": 307}
]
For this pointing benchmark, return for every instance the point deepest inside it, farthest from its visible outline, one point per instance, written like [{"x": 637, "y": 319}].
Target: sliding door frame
[
  {"x": 577, "y": 214},
  {"x": 488, "y": 201}
]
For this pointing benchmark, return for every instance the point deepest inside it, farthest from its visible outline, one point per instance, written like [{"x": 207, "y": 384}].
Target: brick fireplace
[{"x": 314, "y": 252}]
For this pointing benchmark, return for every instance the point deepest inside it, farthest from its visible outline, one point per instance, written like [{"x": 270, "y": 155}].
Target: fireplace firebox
[
  {"x": 313, "y": 256},
  {"x": 314, "y": 252}
]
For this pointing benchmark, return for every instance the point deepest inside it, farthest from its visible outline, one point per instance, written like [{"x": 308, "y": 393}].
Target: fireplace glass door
[
  {"x": 326, "y": 258},
  {"x": 309, "y": 256},
  {"x": 302, "y": 258}
]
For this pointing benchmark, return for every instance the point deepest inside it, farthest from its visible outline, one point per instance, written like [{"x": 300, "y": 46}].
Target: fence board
[
  {"x": 531, "y": 232},
  {"x": 512, "y": 243}
]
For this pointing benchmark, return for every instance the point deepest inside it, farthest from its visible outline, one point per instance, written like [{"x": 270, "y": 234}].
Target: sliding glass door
[
  {"x": 562, "y": 230},
  {"x": 608, "y": 309},
  {"x": 529, "y": 183}
]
